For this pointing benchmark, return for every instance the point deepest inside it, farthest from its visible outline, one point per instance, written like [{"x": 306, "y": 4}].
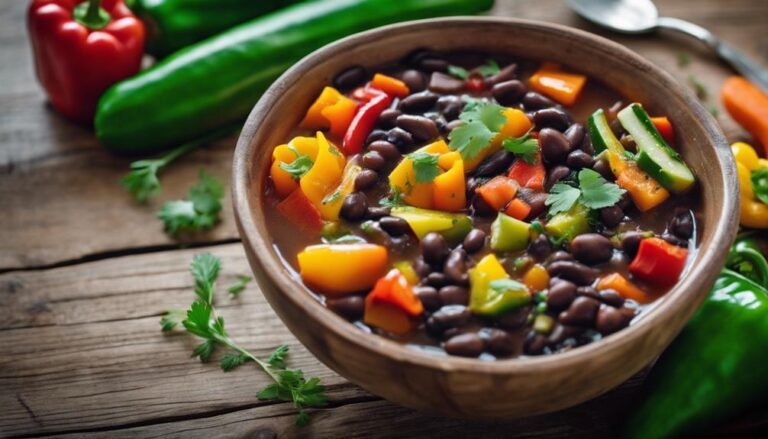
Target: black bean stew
[{"x": 482, "y": 207}]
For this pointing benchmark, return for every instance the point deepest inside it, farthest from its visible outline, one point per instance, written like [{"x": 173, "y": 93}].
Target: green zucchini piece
[
  {"x": 601, "y": 134},
  {"x": 654, "y": 156}
]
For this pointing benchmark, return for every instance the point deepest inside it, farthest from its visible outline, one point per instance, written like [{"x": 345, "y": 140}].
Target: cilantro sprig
[
  {"x": 482, "y": 122},
  {"x": 593, "y": 192},
  {"x": 524, "y": 147},
  {"x": 490, "y": 68},
  {"x": 503, "y": 285},
  {"x": 142, "y": 182},
  {"x": 202, "y": 320},
  {"x": 394, "y": 199},
  {"x": 299, "y": 166},
  {"x": 239, "y": 286},
  {"x": 199, "y": 212},
  {"x": 425, "y": 166}
]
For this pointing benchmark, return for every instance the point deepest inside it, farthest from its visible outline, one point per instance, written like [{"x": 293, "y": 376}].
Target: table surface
[{"x": 85, "y": 274}]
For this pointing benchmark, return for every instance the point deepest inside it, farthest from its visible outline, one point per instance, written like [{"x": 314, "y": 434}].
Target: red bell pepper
[
  {"x": 664, "y": 126},
  {"x": 528, "y": 175},
  {"x": 498, "y": 191},
  {"x": 475, "y": 83},
  {"x": 81, "y": 49},
  {"x": 392, "y": 304},
  {"x": 364, "y": 120},
  {"x": 658, "y": 262},
  {"x": 297, "y": 209},
  {"x": 518, "y": 209}
]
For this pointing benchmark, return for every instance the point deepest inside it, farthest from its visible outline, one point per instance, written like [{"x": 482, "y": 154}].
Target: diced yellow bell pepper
[
  {"x": 330, "y": 206},
  {"x": 746, "y": 155},
  {"x": 339, "y": 269},
  {"x": 422, "y": 221},
  {"x": 403, "y": 177},
  {"x": 449, "y": 192},
  {"x": 516, "y": 125},
  {"x": 325, "y": 175},
  {"x": 283, "y": 181},
  {"x": 486, "y": 300},
  {"x": 330, "y": 110}
]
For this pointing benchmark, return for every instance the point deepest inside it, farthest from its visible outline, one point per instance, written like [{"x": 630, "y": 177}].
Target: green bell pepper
[
  {"x": 492, "y": 292},
  {"x": 567, "y": 225},
  {"x": 509, "y": 234},
  {"x": 716, "y": 367},
  {"x": 453, "y": 226}
]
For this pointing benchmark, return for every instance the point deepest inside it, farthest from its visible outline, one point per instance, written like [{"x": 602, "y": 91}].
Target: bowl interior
[{"x": 699, "y": 141}]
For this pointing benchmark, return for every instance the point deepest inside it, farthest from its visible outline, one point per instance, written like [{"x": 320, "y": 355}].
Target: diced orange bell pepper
[
  {"x": 330, "y": 110},
  {"x": 664, "y": 126},
  {"x": 625, "y": 288},
  {"x": 283, "y": 181},
  {"x": 516, "y": 125},
  {"x": 449, "y": 189},
  {"x": 518, "y": 209},
  {"x": 645, "y": 192},
  {"x": 339, "y": 116},
  {"x": 528, "y": 175},
  {"x": 297, "y": 209},
  {"x": 498, "y": 191},
  {"x": 325, "y": 175},
  {"x": 536, "y": 278},
  {"x": 339, "y": 269},
  {"x": 658, "y": 262},
  {"x": 390, "y": 85},
  {"x": 392, "y": 304},
  {"x": 560, "y": 86},
  {"x": 403, "y": 177},
  {"x": 446, "y": 161}
]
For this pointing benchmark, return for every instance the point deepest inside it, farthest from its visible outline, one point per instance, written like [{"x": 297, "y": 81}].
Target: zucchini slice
[
  {"x": 654, "y": 156},
  {"x": 601, "y": 134}
]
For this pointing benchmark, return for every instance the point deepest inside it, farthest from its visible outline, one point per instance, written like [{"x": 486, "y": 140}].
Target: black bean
[
  {"x": 366, "y": 179},
  {"x": 474, "y": 241},
  {"x": 481, "y": 208},
  {"x": 433, "y": 64},
  {"x": 540, "y": 248},
  {"x": 575, "y": 272},
  {"x": 533, "y": 101},
  {"x": 450, "y": 332},
  {"x": 388, "y": 118},
  {"x": 554, "y": 145},
  {"x": 682, "y": 225},
  {"x": 552, "y": 118},
  {"x": 628, "y": 142},
  {"x": 495, "y": 164},
  {"x": 556, "y": 174},
  {"x": 578, "y": 159},
  {"x": 350, "y": 307},
  {"x": 625, "y": 202},
  {"x": 421, "y": 128},
  {"x": 561, "y": 255},
  {"x": 422, "y": 268},
  {"x": 355, "y": 206},
  {"x": 415, "y": 56},
  {"x": 418, "y": 102},
  {"x": 560, "y": 295},
  {"x": 610, "y": 320},
  {"x": 400, "y": 138},
  {"x": 456, "y": 267},
  {"x": 454, "y": 295},
  {"x": 588, "y": 291},
  {"x": 373, "y": 160},
  {"x": 616, "y": 127},
  {"x": 387, "y": 150},
  {"x": 537, "y": 201},
  {"x": 592, "y": 248},
  {"x": 437, "y": 279},
  {"x": 434, "y": 248},
  {"x": 612, "y": 297},
  {"x": 508, "y": 93},
  {"x": 674, "y": 240},
  {"x": 535, "y": 344},
  {"x": 450, "y": 107},
  {"x": 582, "y": 312},
  {"x": 451, "y": 316},
  {"x": 501, "y": 343},
  {"x": 465, "y": 345},
  {"x": 415, "y": 80},
  {"x": 602, "y": 168},
  {"x": 429, "y": 297},
  {"x": 376, "y": 135},
  {"x": 441, "y": 83},
  {"x": 630, "y": 242},
  {"x": 586, "y": 145},
  {"x": 376, "y": 212},
  {"x": 505, "y": 74},
  {"x": 394, "y": 226},
  {"x": 561, "y": 333},
  {"x": 350, "y": 78},
  {"x": 514, "y": 319},
  {"x": 575, "y": 135}
]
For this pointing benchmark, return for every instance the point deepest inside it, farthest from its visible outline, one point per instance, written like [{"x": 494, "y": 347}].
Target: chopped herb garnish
[
  {"x": 490, "y": 68},
  {"x": 394, "y": 199},
  {"x": 202, "y": 321},
  {"x": 594, "y": 192},
  {"x": 299, "y": 166},
  {"x": 698, "y": 87},
  {"x": 482, "y": 122},
  {"x": 239, "y": 286},
  {"x": 759, "y": 179},
  {"x": 502, "y": 285},
  {"x": 424, "y": 166},
  {"x": 459, "y": 72},
  {"x": 199, "y": 212},
  {"x": 561, "y": 198},
  {"x": 524, "y": 147},
  {"x": 683, "y": 59},
  {"x": 333, "y": 196},
  {"x": 537, "y": 226}
]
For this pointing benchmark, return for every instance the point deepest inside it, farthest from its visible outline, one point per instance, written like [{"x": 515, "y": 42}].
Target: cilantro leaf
[
  {"x": 491, "y": 115},
  {"x": 759, "y": 179},
  {"x": 205, "y": 269},
  {"x": 178, "y": 215},
  {"x": 459, "y": 72},
  {"x": 199, "y": 212},
  {"x": 232, "y": 360},
  {"x": 490, "y": 68},
  {"x": 299, "y": 166},
  {"x": 142, "y": 181},
  {"x": 171, "y": 319},
  {"x": 239, "y": 286},
  {"x": 596, "y": 192},
  {"x": 502, "y": 285},
  {"x": 424, "y": 166},
  {"x": 394, "y": 199},
  {"x": 277, "y": 358},
  {"x": 482, "y": 121},
  {"x": 524, "y": 147},
  {"x": 561, "y": 198}
]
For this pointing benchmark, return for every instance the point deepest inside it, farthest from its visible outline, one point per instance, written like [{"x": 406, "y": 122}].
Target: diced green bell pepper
[
  {"x": 492, "y": 292},
  {"x": 454, "y": 227},
  {"x": 567, "y": 225},
  {"x": 509, "y": 234}
]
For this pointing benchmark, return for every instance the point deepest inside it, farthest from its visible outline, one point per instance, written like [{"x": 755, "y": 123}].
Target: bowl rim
[{"x": 272, "y": 266}]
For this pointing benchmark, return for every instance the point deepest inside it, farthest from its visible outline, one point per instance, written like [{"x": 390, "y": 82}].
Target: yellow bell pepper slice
[
  {"x": 516, "y": 125},
  {"x": 403, "y": 177},
  {"x": 339, "y": 269},
  {"x": 330, "y": 110},
  {"x": 330, "y": 206},
  {"x": 449, "y": 192},
  {"x": 283, "y": 181},
  {"x": 325, "y": 175},
  {"x": 754, "y": 213}
]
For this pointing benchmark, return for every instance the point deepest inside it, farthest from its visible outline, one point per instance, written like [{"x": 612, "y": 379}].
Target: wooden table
[{"x": 86, "y": 273}]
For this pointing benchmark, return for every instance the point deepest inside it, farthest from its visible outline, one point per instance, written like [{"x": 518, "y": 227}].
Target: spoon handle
[{"x": 736, "y": 58}]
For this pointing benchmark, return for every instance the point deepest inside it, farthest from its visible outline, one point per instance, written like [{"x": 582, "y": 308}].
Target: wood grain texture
[{"x": 81, "y": 347}]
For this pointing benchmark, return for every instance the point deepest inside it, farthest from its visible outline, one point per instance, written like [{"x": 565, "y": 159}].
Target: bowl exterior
[{"x": 464, "y": 387}]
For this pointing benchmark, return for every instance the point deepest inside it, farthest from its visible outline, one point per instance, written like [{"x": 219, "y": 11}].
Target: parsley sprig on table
[
  {"x": 142, "y": 181},
  {"x": 199, "y": 212},
  {"x": 482, "y": 122},
  {"x": 593, "y": 192},
  {"x": 238, "y": 287},
  {"x": 524, "y": 147},
  {"x": 202, "y": 320}
]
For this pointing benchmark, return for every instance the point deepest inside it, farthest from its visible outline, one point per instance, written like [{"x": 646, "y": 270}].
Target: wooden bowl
[{"x": 468, "y": 387}]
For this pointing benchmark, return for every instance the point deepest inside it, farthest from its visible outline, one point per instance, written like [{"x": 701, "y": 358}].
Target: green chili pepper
[{"x": 716, "y": 367}]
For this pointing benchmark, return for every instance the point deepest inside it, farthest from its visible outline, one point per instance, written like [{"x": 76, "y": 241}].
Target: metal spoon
[{"x": 641, "y": 16}]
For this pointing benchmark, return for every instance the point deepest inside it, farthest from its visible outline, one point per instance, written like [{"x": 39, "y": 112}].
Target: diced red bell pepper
[
  {"x": 475, "y": 83},
  {"x": 518, "y": 209},
  {"x": 392, "y": 304},
  {"x": 498, "y": 191},
  {"x": 658, "y": 262},
  {"x": 297, "y": 208},
  {"x": 528, "y": 175},
  {"x": 664, "y": 126},
  {"x": 364, "y": 120}
]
